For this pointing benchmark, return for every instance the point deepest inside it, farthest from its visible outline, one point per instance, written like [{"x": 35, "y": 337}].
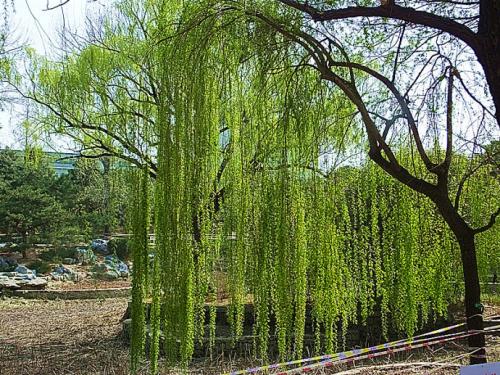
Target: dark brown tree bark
[
  {"x": 473, "y": 307},
  {"x": 465, "y": 236},
  {"x": 489, "y": 40}
]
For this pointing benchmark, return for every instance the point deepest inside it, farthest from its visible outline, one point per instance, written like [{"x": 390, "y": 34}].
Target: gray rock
[
  {"x": 8, "y": 274},
  {"x": 20, "y": 281},
  {"x": 9, "y": 284},
  {"x": 22, "y": 269},
  {"x": 62, "y": 273},
  {"x": 38, "y": 282},
  {"x": 35, "y": 283},
  {"x": 111, "y": 275},
  {"x": 85, "y": 256},
  {"x": 57, "y": 277},
  {"x": 100, "y": 245},
  {"x": 21, "y": 277},
  {"x": 111, "y": 269}
]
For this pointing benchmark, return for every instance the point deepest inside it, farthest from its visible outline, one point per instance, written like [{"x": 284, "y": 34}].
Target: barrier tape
[
  {"x": 331, "y": 362},
  {"x": 356, "y": 352},
  {"x": 329, "y": 356}
]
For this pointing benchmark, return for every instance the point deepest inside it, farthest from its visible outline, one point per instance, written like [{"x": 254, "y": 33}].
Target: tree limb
[
  {"x": 404, "y": 107},
  {"x": 493, "y": 218},
  {"x": 56, "y": 6},
  {"x": 449, "y": 121},
  {"x": 396, "y": 12}
]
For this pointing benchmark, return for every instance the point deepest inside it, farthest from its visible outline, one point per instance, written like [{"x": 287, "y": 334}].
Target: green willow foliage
[
  {"x": 243, "y": 181},
  {"x": 139, "y": 213}
]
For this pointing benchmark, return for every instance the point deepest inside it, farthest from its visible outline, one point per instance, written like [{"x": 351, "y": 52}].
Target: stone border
[{"x": 69, "y": 294}]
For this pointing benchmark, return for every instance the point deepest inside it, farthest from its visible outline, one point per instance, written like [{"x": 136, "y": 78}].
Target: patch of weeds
[
  {"x": 56, "y": 255},
  {"x": 40, "y": 266}
]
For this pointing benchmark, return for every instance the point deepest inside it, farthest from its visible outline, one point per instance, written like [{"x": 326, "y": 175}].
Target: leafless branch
[
  {"x": 64, "y": 2},
  {"x": 493, "y": 218}
]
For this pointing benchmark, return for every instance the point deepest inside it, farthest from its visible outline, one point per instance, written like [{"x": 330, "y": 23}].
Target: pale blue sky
[{"x": 32, "y": 25}]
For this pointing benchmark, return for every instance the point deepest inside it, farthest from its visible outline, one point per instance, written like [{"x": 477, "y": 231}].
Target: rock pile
[
  {"x": 85, "y": 256},
  {"x": 22, "y": 277},
  {"x": 111, "y": 269},
  {"x": 62, "y": 273}
]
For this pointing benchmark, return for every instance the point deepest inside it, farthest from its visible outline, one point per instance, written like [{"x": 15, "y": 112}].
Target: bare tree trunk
[
  {"x": 473, "y": 307},
  {"x": 24, "y": 249},
  {"x": 489, "y": 57},
  {"x": 491, "y": 65}
]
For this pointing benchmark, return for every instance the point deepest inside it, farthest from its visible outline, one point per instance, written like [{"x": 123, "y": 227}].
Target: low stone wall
[
  {"x": 70, "y": 294},
  {"x": 226, "y": 345}
]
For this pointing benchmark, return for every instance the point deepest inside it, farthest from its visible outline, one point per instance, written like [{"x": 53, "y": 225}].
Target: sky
[{"x": 31, "y": 24}]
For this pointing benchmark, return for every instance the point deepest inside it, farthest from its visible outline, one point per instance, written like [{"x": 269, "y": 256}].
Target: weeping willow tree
[
  {"x": 139, "y": 215},
  {"x": 338, "y": 64},
  {"x": 101, "y": 95},
  {"x": 251, "y": 172},
  {"x": 256, "y": 125}
]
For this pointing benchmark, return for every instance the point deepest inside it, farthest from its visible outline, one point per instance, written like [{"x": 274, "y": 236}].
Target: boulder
[
  {"x": 23, "y": 269},
  {"x": 9, "y": 283},
  {"x": 62, "y": 273},
  {"x": 118, "y": 265},
  {"x": 22, "y": 277},
  {"x": 112, "y": 268},
  {"x": 8, "y": 274},
  {"x": 110, "y": 275},
  {"x": 85, "y": 256},
  {"x": 37, "y": 283},
  {"x": 100, "y": 245}
]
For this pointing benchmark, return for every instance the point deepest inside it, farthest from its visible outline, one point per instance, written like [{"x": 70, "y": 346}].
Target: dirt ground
[
  {"x": 61, "y": 337},
  {"x": 83, "y": 337},
  {"x": 88, "y": 283}
]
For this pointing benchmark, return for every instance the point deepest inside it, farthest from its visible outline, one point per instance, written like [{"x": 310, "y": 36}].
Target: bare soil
[
  {"x": 61, "y": 337},
  {"x": 83, "y": 337},
  {"x": 88, "y": 283}
]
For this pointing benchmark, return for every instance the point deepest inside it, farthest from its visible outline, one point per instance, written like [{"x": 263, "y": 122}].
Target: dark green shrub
[
  {"x": 56, "y": 255},
  {"x": 119, "y": 247},
  {"x": 40, "y": 266},
  {"x": 23, "y": 248},
  {"x": 47, "y": 255}
]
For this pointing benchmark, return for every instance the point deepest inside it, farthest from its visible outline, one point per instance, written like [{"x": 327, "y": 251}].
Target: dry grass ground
[
  {"x": 61, "y": 337},
  {"x": 83, "y": 337}
]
